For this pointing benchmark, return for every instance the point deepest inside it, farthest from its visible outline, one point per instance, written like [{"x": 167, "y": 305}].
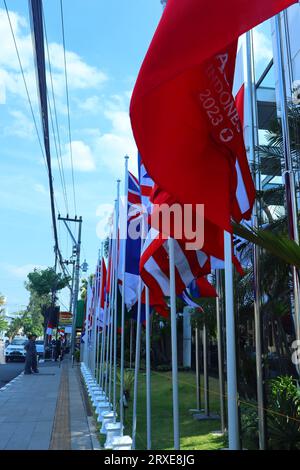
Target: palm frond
[{"x": 280, "y": 246}]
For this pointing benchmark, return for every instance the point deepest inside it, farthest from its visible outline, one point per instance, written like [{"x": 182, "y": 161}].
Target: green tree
[
  {"x": 46, "y": 281},
  {"x": 42, "y": 285},
  {"x": 3, "y": 322},
  {"x": 15, "y": 327}
]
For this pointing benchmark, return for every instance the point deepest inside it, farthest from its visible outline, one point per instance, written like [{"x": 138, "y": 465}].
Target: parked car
[{"x": 15, "y": 350}]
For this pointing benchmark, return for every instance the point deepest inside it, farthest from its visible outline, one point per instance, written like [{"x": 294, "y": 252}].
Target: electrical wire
[
  {"x": 58, "y": 141},
  {"x": 68, "y": 104},
  {"x": 24, "y": 80}
]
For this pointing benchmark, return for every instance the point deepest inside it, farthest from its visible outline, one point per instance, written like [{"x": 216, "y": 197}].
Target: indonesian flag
[
  {"x": 183, "y": 113},
  {"x": 49, "y": 329}
]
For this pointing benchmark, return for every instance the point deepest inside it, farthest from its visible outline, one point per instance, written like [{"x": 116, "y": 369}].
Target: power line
[
  {"x": 24, "y": 80},
  {"x": 58, "y": 154},
  {"x": 38, "y": 45},
  {"x": 44, "y": 118},
  {"x": 68, "y": 105},
  {"x": 27, "y": 91}
]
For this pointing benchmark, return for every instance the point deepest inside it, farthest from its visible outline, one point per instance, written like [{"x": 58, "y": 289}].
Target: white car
[
  {"x": 15, "y": 350},
  {"x": 39, "y": 344}
]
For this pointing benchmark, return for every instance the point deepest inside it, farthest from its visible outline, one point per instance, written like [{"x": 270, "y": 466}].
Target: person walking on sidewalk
[{"x": 31, "y": 356}]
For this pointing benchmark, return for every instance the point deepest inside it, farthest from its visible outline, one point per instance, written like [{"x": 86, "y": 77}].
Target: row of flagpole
[{"x": 102, "y": 356}]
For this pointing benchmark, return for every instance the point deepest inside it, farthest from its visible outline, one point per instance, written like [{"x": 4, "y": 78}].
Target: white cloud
[
  {"x": 262, "y": 46},
  {"x": 112, "y": 146},
  {"x": 83, "y": 159},
  {"x": 21, "y": 126},
  {"x": 80, "y": 74},
  {"x": 104, "y": 213},
  {"x": 90, "y": 104},
  {"x": 40, "y": 188},
  {"x": 20, "y": 272}
]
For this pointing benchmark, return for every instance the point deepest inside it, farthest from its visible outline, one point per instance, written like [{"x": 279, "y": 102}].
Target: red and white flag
[{"x": 183, "y": 113}]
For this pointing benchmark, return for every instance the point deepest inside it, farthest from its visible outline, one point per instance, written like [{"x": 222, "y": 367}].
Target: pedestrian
[
  {"x": 57, "y": 348},
  {"x": 31, "y": 356}
]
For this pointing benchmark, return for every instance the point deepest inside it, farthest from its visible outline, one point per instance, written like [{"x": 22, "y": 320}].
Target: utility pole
[{"x": 76, "y": 272}]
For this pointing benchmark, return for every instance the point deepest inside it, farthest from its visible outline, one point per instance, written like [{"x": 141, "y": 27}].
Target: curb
[
  {"x": 92, "y": 429},
  {"x": 8, "y": 384}
]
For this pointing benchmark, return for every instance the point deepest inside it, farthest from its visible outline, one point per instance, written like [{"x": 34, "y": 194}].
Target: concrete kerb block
[
  {"x": 102, "y": 408},
  {"x": 121, "y": 443},
  {"x": 112, "y": 430},
  {"x": 107, "y": 417}
]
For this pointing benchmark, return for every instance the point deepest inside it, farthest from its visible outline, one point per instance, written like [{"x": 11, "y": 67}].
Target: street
[{"x": 9, "y": 371}]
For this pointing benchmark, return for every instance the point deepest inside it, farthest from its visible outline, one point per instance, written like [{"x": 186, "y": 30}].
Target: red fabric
[
  {"x": 182, "y": 122},
  {"x": 103, "y": 283},
  {"x": 109, "y": 273},
  {"x": 205, "y": 288}
]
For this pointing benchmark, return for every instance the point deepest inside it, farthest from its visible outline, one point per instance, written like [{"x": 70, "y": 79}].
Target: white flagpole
[
  {"x": 148, "y": 368},
  {"x": 174, "y": 344},
  {"x": 131, "y": 345},
  {"x": 99, "y": 306},
  {"x": 109, "y": 318},
  {"x": 91, "y": 335},
  {"x": 289, "y": 173},
  {"x": 102, "y": 353},
  {"x": 104, "y": 328},
  {"x": 232, "y": 395},
  {"x": 85, "y": 353},
  {"x": 205, "y": 370},
  {"x": 138, "y": 342},
  {"x": 123, "y": 251},
  {"x": 116, "y": 305},
  {"x": 95, "y": 326},
  {"x": 253, "y": 142},
  {"x": 137, "y": 363},
  {"x": 111, "y": 326},
  {"x": 219, "y": 315}
]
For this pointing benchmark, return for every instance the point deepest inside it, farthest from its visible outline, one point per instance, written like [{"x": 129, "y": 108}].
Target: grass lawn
[{"x": 193, "y": 434}]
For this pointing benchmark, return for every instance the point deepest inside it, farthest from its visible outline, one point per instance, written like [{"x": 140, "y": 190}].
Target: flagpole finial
[{"x": 126, "y": 156}]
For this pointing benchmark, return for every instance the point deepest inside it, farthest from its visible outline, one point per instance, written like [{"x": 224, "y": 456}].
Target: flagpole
[
  {"x": 205, "y": 370},
  {"x": 148, "y": 368},
  {"x": 174, "y": 344},
  {"x": 232, "y": 394},
  {"x": 102, "y": 353},
  {"x": 289, "y": 176},
  {"x": 98, "y": 337},
  {"x": 104, "y": 330},
  {"x": 144, "y": 222},
  {"x": 198, "y": 376},
  {"x": 85, "y": 353},
  {"x": 116, "y": 305},
  {"x": 123, "y": 251},
  {"x": 137, "y": 363},
  {"x": 219, "y": 311},
  {"x": 113, "y": 272},
  {"x": 253, "y": 142},
  {"x": 108, "y": 318},
  {"x": 95, "y": 317},
  {"x": 130, "y": 345}
]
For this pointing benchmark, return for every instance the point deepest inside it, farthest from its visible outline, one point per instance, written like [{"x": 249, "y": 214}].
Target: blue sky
[{"x": 106, "y": 42}]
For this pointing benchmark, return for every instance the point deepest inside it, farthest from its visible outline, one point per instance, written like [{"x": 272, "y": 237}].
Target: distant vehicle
[
  {"x": 40, "y": 347},
  {"x": 15, "y": 350}
]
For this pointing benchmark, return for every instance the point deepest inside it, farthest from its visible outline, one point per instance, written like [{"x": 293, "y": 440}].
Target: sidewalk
[{"x": 46, "y": 411}]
